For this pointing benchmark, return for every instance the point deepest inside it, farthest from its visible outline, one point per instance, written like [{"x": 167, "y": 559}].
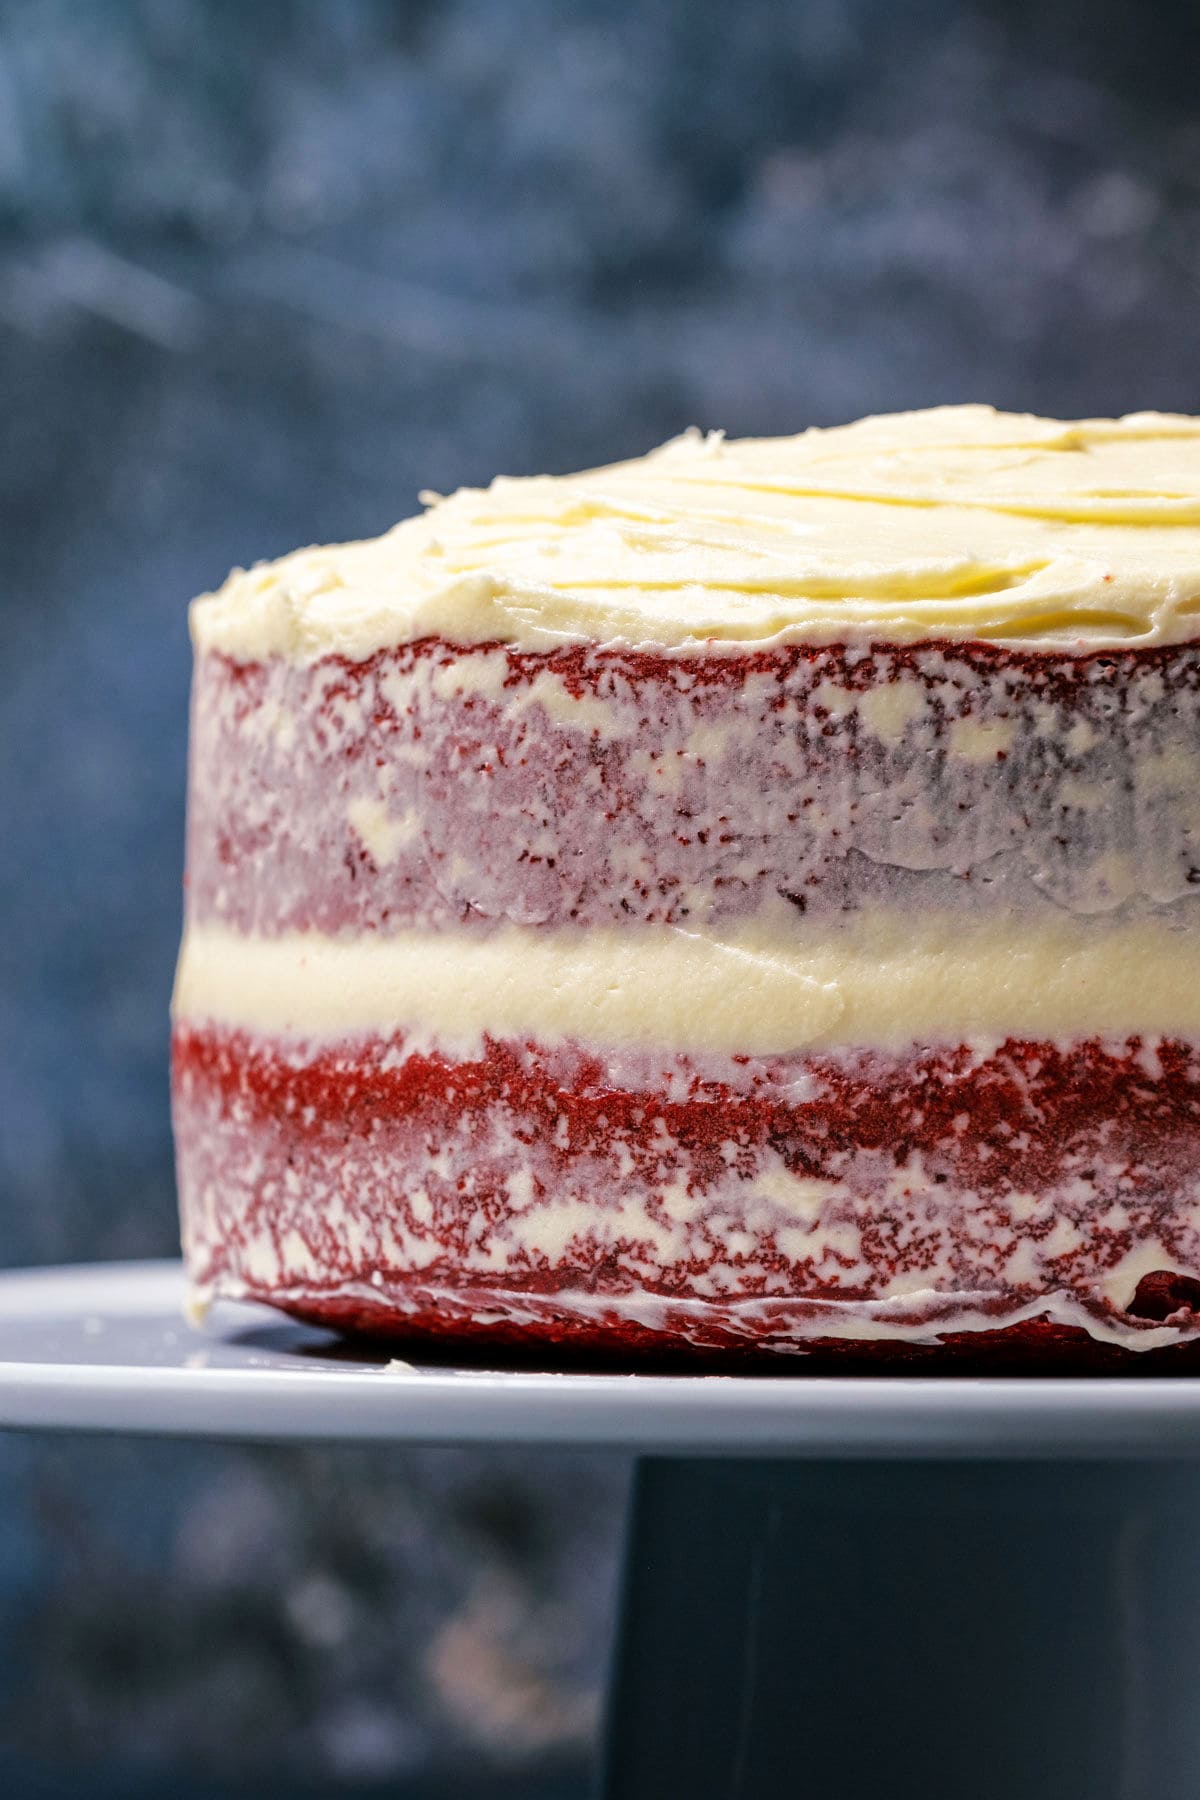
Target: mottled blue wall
[{"x": 265, "y": 271}]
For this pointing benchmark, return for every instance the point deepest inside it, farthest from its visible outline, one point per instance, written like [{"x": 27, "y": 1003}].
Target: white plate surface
[{"x": 105, "y": 1347}]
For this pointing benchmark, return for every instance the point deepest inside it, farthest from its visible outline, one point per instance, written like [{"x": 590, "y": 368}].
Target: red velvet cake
[{"x": 737, "y": 903}]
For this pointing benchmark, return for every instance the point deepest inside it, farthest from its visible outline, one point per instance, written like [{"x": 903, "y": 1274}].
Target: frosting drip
[{"x": 955, "y": 523}]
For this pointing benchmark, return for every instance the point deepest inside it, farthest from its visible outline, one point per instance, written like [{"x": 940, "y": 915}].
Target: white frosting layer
[
  {"x": 958, "y": 523},
  {"x": 887, "y": 979}
]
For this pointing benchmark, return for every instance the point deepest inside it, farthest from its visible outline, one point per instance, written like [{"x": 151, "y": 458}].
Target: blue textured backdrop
[{"x": 264, "y": 272}]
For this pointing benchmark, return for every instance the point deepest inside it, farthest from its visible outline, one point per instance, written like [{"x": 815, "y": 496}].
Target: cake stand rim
[{"x": 106, "y": 1347}]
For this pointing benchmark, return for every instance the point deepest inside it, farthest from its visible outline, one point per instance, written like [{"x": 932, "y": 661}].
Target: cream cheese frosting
[
  {"x": 885, "y": 981},
  {"x": 956, "y": 523}
]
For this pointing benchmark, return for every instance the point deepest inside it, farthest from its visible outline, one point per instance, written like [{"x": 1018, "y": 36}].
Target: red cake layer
[
  {"x": 666, "y": 1206},
  {"x": 587, "y": 786}
]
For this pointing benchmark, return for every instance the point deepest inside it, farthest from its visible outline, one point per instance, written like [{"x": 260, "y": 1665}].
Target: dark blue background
[{"x": 265, "y": 271}]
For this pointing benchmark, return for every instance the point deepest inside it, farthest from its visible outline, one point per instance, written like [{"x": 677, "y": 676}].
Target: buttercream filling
[
  {"x": 957, "y": 522},
  {"x": 885, "y": 979}
]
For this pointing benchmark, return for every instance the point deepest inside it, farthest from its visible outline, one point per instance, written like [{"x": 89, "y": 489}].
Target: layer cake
[{"x": 739, "y": 902}]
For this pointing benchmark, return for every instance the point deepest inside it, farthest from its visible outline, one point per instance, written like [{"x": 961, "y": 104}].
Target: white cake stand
[{"x": 953, "y": 1588}]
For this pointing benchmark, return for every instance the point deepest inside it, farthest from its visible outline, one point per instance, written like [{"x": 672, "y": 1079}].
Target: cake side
[{"x": 733, "y": 1005}]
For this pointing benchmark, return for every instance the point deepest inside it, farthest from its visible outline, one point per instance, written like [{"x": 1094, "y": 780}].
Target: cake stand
[{"x": 953, "y": 1588}]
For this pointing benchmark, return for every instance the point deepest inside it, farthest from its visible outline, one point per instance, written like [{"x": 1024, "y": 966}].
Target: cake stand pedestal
[
  {"x": 952, "y": 1588},
  {"x": 924, "y": 1631}
]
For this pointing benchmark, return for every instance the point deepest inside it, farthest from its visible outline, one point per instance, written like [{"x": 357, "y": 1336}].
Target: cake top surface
[{"x": 957, "y": 522}]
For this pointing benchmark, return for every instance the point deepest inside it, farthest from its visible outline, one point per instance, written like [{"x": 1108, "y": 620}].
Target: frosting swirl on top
[{"x": 954, "y": 523}]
